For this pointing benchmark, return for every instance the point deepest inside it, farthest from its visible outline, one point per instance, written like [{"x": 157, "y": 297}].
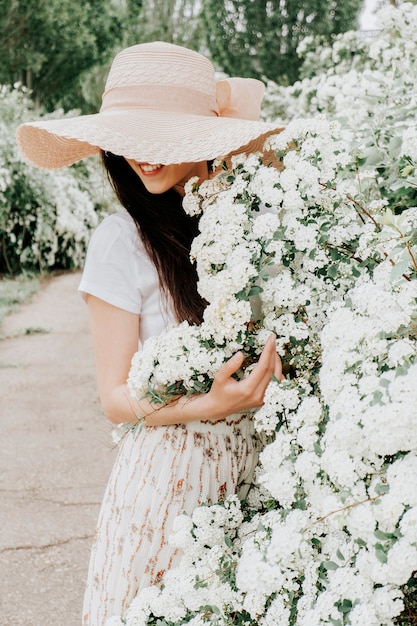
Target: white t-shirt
[{"x": 118, "y": 270}]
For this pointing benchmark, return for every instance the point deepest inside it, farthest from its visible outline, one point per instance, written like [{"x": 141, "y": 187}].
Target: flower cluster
[
  {"x": 369, "y": 87},
  {"x": 257, "y": 223},
  {"x": 233, "y": 255},
  {"x": 341, "y": 467},
  {"x": 321, "y": 249},
  {"x": 203, "y": 582}
]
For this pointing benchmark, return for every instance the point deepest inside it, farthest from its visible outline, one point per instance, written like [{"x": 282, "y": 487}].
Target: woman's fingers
[
  {"x": 227, "y": 395},
  {"x": 229, "y": 368},
  {"x": 278, "y": 368},
  {"x": 268, "y": 365}
]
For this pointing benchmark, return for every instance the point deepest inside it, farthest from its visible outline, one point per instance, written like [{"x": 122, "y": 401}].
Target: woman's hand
[
  {"x": 228, "y": 395},
  {"x": 115, "y": 338}
]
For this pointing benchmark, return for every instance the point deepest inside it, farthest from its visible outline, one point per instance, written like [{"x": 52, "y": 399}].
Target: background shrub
[{"x": 46, "y": 217}]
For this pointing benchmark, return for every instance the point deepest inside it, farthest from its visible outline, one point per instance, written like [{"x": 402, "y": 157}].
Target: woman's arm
[{"x": 115, "y": 334}]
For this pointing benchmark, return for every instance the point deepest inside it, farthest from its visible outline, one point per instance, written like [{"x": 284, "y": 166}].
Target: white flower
[
  {"x": 279, "y": 399},
  {"x": 402, "y": 559},
  {"x": 255, "y": 574},
  {"x": 265, "y": 225},
  {"x": 307, "y": 466},
  {"x": 292, "y": 200},
  {"x": 281, "y": 484},
  {"x": 408, "y": 525},
  {"x": 409, "y": 143},
  {"x": 181, "y": 531},
  {"x": 388, "y": 603},
  {"x": 361, "y": 522},
  {"x": 348, "y": 583},
  {"x": 402, "y": 478},
  {"x": 265, "y": 185},
  {"x": 364, "y": 613},
  {"x": 225, "y": 319},
  {"x": 278, "y": 612},
  {"x": 339, "y": 466},
  {"x": 254, "y": 603},
  {"x": 388, "y": 512}
]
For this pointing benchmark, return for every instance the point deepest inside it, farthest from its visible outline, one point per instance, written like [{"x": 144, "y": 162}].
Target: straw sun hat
[{"x": 161, "y": 104}]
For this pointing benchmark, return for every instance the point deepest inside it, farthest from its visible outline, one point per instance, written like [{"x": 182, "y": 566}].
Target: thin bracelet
[{"x": 121, "y": 430}]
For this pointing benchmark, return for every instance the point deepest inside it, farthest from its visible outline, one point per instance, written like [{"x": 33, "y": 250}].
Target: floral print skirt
[{"x": 160, "y": 472}]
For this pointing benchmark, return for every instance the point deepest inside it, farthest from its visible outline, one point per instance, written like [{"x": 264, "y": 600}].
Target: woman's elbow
[{"x": 117, "y": 405}]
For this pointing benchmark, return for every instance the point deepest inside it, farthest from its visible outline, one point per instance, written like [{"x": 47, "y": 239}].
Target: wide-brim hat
[{"x": 161, "y": 104}]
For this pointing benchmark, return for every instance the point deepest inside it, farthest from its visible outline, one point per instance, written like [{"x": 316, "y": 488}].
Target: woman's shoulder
[
  {"x": 119, "y": 221},
  {"x": 118, "y": 229}
]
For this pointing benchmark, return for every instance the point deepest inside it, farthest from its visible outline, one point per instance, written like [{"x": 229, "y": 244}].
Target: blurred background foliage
[
  {"x": 60, "y": 49},
  {"x": 54, "y": 59}
]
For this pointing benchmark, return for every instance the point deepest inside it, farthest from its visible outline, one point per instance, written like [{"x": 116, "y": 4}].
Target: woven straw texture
[{"x": 159, "y": 106}]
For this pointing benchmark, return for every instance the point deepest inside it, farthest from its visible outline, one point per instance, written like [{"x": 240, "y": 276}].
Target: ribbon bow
[{"x": 240, "y": 98}]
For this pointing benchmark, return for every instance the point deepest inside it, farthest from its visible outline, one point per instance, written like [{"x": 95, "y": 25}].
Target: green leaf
[
  {"x": 335, "y": 254},
  {"x": 210, "y": 609},
  {"x": 317, "y": 449},
  {"x": 380, "y": 554},
  {"x": 381, "y": 488},
  {"x": 379, "y": 534},
  {"x": 400, "y": 370},
  {"x": 301, "y": 505},
  {"x": 255, "y": 290},
  {"x": 399, "y": 269},
  {"x": 332, "y": 271},
  {"x": 345, "y": 606},
  {"x": 241, "y": 295},
  {"x": 340, "y": 555},
  {"x": 408, "y": 170},
  {"x": 377, "y": 397}
]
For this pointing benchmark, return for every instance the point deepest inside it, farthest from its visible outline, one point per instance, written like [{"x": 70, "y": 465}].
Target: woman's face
[{"x": 159, "y": 178}]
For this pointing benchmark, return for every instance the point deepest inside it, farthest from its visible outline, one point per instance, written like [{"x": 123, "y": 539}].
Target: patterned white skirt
[{"x": 160, "y": 472}]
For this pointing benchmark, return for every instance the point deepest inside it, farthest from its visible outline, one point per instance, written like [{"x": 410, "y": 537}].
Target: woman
[{"x": 162, "y": 121}]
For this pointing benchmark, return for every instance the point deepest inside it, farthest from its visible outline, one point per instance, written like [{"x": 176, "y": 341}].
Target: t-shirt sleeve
[{"x": 110, "y": 271}]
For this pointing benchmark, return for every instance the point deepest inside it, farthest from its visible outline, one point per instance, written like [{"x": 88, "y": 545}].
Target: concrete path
[{"x": 55, "y": 456}]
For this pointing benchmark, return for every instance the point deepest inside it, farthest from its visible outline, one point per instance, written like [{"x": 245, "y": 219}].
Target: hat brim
[{"x": 144, "y": 135}]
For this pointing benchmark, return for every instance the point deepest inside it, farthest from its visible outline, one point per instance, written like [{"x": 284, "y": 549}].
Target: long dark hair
[{"x": 167, "y": 233}]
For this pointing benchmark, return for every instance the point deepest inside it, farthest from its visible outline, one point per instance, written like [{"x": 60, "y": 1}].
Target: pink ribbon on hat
[{"x": 240, "y": 98}]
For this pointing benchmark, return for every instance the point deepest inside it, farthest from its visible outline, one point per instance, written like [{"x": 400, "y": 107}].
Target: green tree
[
  {"x": 174, "y": 21},
  {"x": 259, "y": 38},
  {"x": 48, "y": 44}
]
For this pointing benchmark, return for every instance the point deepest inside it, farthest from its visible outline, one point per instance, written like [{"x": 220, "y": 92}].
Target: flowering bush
[
  {"x": 322, "y": 251},
  {"x": 370, "y": 89},
  {"x": 46, "y": 218},
  {"x": 246, "y": 263}
]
